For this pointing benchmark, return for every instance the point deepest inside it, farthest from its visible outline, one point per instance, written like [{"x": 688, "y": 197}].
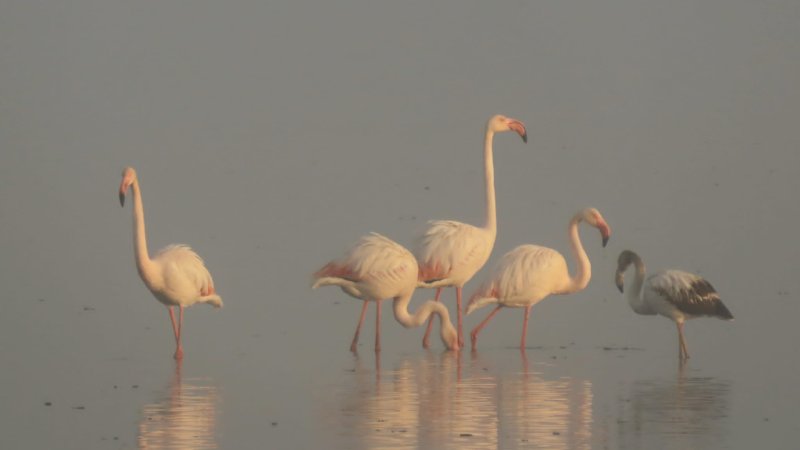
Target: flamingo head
[
  {"x": 625, "y": 259},
  {"x": 595, "y": 219},
  {"x": 449, "y": 336},
  {"x": 128, "y": 177},
  {"x": 501, "y": 123}
]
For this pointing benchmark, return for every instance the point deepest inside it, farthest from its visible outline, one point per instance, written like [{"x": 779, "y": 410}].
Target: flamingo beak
[
  {"x": 123, "y": 188},
  {"x": 605, "y": 231},
  {"x": 619, "y": 283},
  {"x": 519, "y": 127}
]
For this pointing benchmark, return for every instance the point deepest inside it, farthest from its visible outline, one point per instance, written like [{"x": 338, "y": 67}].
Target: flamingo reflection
[
  {"x": 546, "y": 413},
  {"x": 184, "y": 418},
  {"x": 423, "y": 403},
  {"x": 687, "y": 412}
]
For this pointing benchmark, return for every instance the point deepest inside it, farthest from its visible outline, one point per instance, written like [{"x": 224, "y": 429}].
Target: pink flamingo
[
  {"x": 674, "y": 294},
  {"x": 176, "y": 275},
  {"x": 529, "y": 273},
  {"x": 450, "y": 252},
  {"x": 378, "y": 268}
]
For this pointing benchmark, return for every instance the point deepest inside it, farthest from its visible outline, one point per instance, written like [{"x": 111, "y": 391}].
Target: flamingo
[
  {"x": 450, "y": 252},
  {"x": 377, "y": 268},
  {"x": 529, "y": 273},
  {"x": 674, "y": 294},
  {"x": 176, "y": 275}
]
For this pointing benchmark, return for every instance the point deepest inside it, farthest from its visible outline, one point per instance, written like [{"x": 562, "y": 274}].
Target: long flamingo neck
[
  {"x": 491, "y": 207},
  {"x": 584, "y": 267},
  {"x": 143, "y": 262},
  {"x": 634, "y": 293}
]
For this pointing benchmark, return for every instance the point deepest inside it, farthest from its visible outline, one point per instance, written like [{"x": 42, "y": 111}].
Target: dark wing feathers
[{"x": 691, "y": 294}]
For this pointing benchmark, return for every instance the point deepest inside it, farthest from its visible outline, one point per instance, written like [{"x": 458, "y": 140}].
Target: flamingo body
[
  {"x": 680, "y": 295},
  {"x": 184, "y": 280},
  {"x": 377, "y": 268},
  {"x": 674, "y": 294},
  {"x": 176, "y": 276},
  {"x": 450, "y": 253},
  {"x": 523, "y": 277}
]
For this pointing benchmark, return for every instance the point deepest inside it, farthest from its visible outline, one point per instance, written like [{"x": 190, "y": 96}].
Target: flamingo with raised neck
[
  {"x": 176, "y": 275},
  {"x": 449, "y": 252},
  {"x": 529, "y": 273}
]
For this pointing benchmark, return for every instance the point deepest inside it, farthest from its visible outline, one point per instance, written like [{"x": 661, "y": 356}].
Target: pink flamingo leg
[
  {"x": 176, "y": 329},
  {"x": 683, "y": 352},
  {"x": 476, "y": 330},
  {"x": 524, "y": 328},
  {"x": 426, "y": 340},
  {"x": 460, "y": 315},
  {"x": 358, "y": 329},
  {"x": 378, "y": 327}
]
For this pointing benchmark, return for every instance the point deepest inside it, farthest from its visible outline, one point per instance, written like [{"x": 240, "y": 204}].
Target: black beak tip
[
  {"x": 525, "y": 138},
  {"x": 621, "y": 290},
  {"x": 605, "y": 241},
  {"x": 121, "y": 199}
]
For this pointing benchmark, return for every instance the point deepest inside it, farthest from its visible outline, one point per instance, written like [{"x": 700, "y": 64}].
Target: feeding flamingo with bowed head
[
  {"x": 377, "y": 268},
  {"x": 449, "y": 252},
  {"x": 176, "y": 275},
  {"x": 674, "y": 294},
  {"x": 529, "y": 273}
]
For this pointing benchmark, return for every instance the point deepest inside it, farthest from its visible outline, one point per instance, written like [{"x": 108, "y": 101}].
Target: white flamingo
[
  {"x": 674, "y": 294},
  {"x": 529, "y": 273},
  {"x": 449, "y": 252},
  {"x": 176, "y": 275},
  {"x": 377, "y": 268}
]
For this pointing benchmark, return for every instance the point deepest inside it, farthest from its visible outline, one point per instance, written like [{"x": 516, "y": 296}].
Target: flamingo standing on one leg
[
  {"x": 176, "y": 275},
  {"x": 674, "y": 294},
  {"x": 450, "y": 252},
  {"x": 529, "y": 273},
  {"x": 378, "y": 268}
]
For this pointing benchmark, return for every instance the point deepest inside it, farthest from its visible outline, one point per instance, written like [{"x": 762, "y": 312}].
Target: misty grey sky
[{"x": 270, "y": 135}]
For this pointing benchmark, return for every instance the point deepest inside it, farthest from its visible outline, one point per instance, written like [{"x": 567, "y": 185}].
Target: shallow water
[{"x": 271, "y": 135}]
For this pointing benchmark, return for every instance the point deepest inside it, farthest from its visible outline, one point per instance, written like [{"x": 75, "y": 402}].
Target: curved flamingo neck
[
  {"x": 143, "y": 262},
  {"x": 400, "y": 307},
  {"x": 634, "y": 293},
  {"x": 584, "y": 267},
  {"x": 491, "y": 207}
]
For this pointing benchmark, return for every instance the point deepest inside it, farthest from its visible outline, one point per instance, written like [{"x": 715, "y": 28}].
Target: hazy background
[{"x": 271, "y": 135}]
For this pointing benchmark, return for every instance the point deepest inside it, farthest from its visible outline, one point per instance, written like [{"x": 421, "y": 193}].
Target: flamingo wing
[
  {"x": 373, "y": 257},
  {"x": 183, "y": 268},
  {"x": 447, "y": 245},
  {"x": 689, "y": 293},
  {"x": 525, "y": 273}
]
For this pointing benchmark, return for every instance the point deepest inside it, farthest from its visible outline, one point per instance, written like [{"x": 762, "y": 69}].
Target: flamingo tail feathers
[
  {"x": 432, "y": 284},
  {"x": 480, "y": 302},
  {"x": 213, "y": 300},
  {"x": 331, "y": 281}
]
